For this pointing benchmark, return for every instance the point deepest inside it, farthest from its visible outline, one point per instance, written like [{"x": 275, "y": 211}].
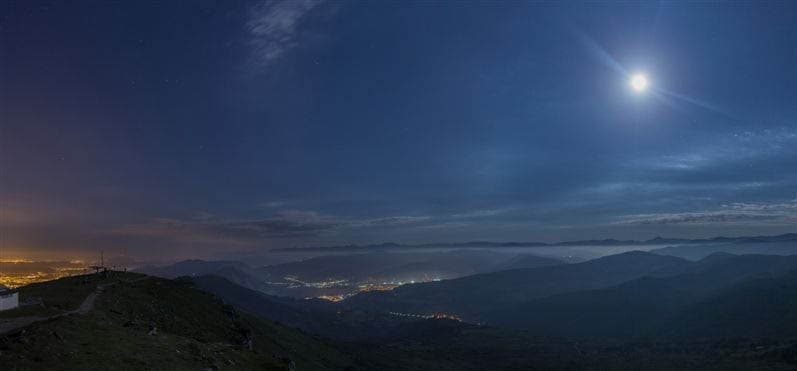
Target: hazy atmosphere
[
  {"x": 343, "y": 185},
  {"x": 169, "y": 130}
]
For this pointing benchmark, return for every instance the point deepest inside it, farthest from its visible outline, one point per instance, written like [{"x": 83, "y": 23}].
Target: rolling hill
[
  {"x": 784, "y": 245},
  {"x": 235, "y": 271},
  {"x": 639, "y": 307},
  {"x": 140, "y": 322},
  {"x": 344, "y": 274},
  {"x": 470, "y": 297},
  {"x": 390, "y": 266},
  {"x": 128, "y": 321}
]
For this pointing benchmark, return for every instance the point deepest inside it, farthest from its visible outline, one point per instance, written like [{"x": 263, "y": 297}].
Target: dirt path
[
  {"x": 88, "y": 303},
  {"x": 86, "y": 306}
]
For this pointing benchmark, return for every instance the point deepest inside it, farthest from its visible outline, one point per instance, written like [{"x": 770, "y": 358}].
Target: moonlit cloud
[
  {"x": 657, "y": 188},
  {"x": 481, "y": 213},
  {"x": 779, "y": 213},
  {"x": 274, "y": 123},
  {"x": 728, "y": 149},
  {"x": 285, "y": 224},
  {"x": 273, "y": 204},
  {"x": 388, "y": 221},
  {"x": 447, "y": 226},
  {"x": 274, "y": 27},
  {"x": 290, "y": 224}
]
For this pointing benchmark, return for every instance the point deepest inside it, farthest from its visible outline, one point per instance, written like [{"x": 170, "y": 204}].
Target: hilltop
[
  {"x": 140, "y": 322},
  {"x": 129, "y": 321}
]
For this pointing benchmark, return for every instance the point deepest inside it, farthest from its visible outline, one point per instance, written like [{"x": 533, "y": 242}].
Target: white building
[{"x": 8, "y": 299}]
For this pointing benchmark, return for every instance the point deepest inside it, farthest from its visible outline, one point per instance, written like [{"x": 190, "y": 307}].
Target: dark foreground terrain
[
  {"x": 127, "y": 321},
  {"x": 145, "y": 323}
]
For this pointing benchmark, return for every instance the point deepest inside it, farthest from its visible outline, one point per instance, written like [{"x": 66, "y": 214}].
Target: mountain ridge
[{"x": 597, "y": 242}]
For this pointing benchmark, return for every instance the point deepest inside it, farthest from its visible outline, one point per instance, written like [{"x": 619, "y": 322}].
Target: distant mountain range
[
  {"x": 718, "y": 296},
  {"x": 340, "y": 271},
  {"x": 304, "y": 278},
  {"x": 627, "y": 295},
  {"x": 473, "y": 296},
  {"x": 624, "y": 296},
  {"x": 751, "y": 246},
  {"x": 488, "y": 244},
  {"x": 315, "y": 316},
  {"x": 397, "y": 266},
  {"x": 238, "y": 272},
  {"x": 630, "y": 311},
  {"x": 723, "y": 296}
]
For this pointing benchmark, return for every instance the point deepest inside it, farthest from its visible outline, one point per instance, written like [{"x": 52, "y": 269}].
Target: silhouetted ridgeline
[
  {"x": 632, "y": 311},
  {"x": 605, "y": 242}
]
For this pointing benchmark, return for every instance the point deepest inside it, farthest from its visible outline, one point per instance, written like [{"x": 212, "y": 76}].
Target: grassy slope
[
  {"x": 446, "y": 345},
  {"x": 195, "y": 331},
  {"x": 57, "y": 296}
]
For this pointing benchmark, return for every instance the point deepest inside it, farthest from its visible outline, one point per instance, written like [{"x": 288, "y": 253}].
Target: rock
[
  {"x": 32, "y": 301},
  {"x": 288, "y": 362},
  {"x": 248, "y": 338}
]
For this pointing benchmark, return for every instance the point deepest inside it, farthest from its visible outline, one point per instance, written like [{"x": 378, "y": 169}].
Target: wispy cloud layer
[
  {"x": 485, "y": 213},
  {"x": 285, "y": 224},
  {"x": 732, "y": 167},
  {"x": 735, "y": 148},
  {"x": 745, "y": 213},
  {"x": 274, "y": 27}
]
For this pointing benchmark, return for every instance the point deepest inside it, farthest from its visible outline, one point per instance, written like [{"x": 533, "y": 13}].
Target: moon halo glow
[{"x": 639, "y": 83}]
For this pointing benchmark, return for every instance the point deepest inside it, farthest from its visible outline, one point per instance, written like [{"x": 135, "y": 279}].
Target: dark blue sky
[{"x": 176, "y": 129}]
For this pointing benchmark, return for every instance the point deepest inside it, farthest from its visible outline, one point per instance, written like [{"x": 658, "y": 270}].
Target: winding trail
[
  {"x": 88, "y": 303},
  {"x": 86, "y": 306}
]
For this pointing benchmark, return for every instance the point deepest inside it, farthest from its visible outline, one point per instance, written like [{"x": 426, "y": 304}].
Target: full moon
[{"x": 639, "y": 83}]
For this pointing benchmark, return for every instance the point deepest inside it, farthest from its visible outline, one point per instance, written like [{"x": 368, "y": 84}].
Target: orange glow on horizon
[{"x": 16, "y": 260}]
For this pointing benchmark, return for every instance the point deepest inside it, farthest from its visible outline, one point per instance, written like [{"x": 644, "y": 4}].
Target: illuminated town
[
  {"x": 361, "y": 288},
  {"x": 438, "y": 315},
  {"x": 21, "y": 272},
  {"x": 355, "y": 289}
]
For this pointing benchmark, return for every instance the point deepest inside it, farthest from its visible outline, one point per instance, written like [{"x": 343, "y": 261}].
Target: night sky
[{"x": 166, "y": 129}]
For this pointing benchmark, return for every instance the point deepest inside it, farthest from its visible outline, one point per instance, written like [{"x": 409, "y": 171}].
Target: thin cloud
[
  {"x": 389, "y": 221},
  {"x": 273, "y": 204},
  {"x": 485, "y": 213},
  {"x": 735, "y": 213},
  {"x": 274, "y": 27},
  {"x": 733, "y": 149},
  {"x": 286, "y": 224}
]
